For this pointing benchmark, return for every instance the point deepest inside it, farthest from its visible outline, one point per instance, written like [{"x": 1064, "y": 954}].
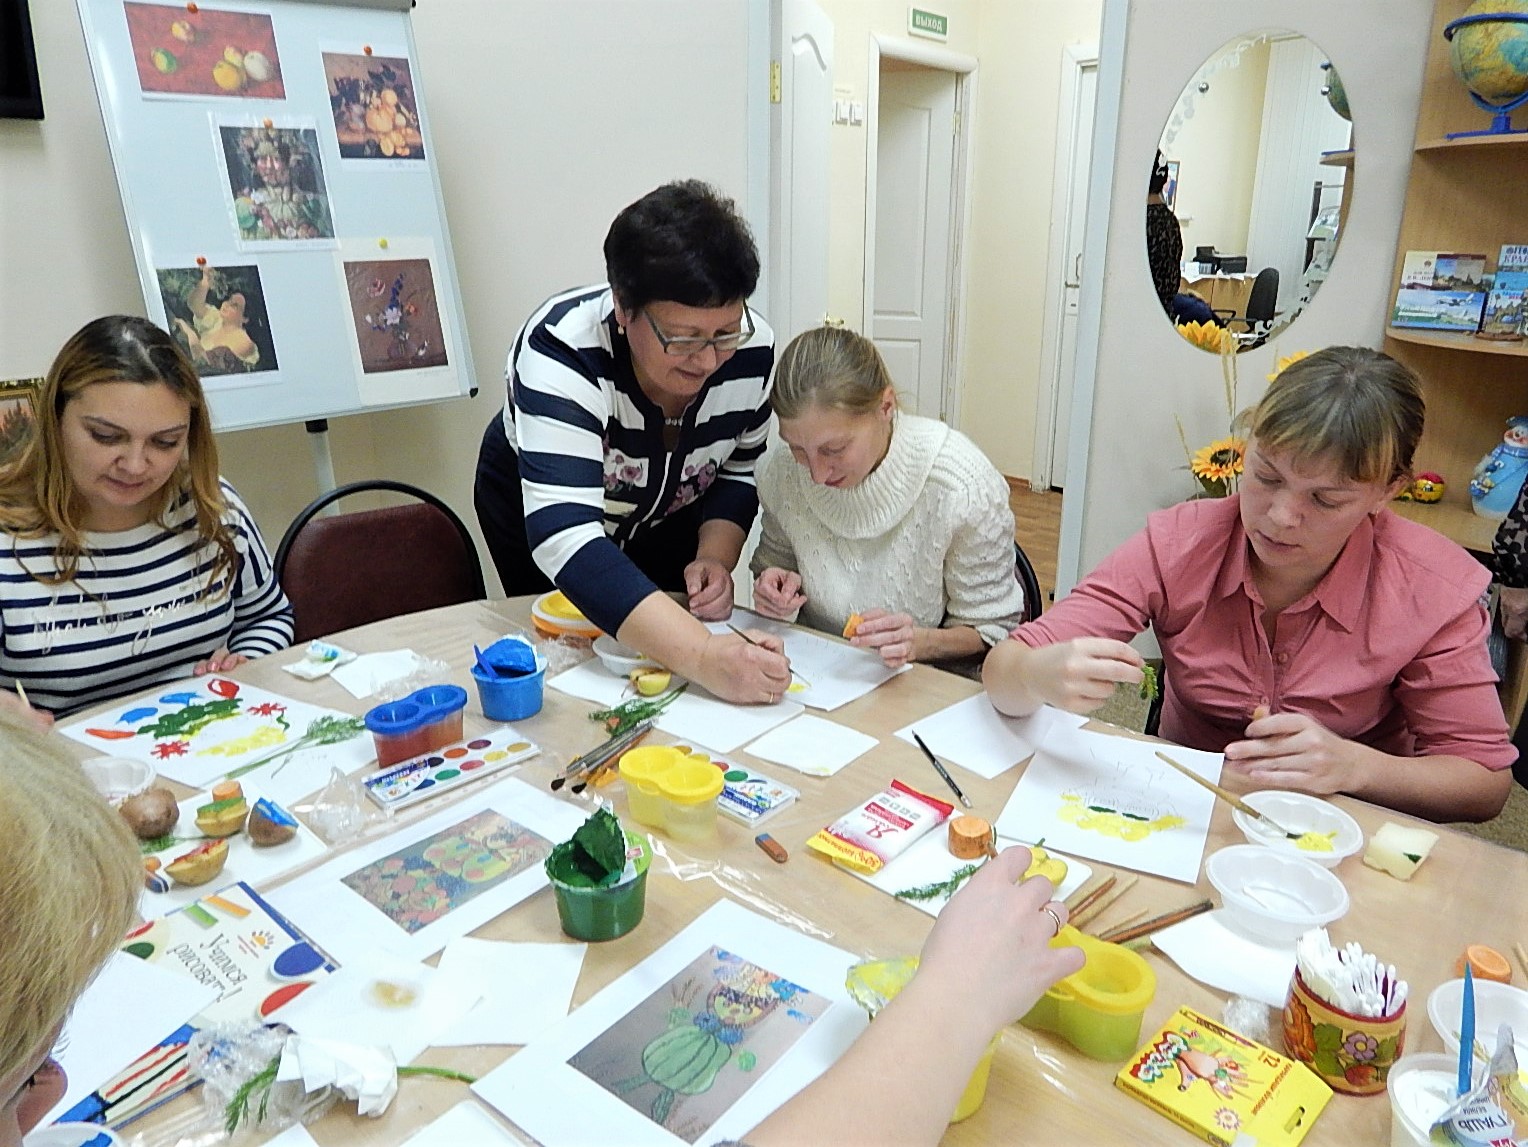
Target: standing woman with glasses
[{"x": 622, "y": 466}]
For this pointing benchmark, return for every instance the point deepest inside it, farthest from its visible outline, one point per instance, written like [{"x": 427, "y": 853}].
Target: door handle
[{"x": 1076, "y": 277}]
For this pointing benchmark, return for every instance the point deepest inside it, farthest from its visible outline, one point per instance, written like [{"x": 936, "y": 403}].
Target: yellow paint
[
  {"x": 1107, "y": 822},
  {"x": 390, "y": 995},
  {"x": 558, "y": 605},
  {"x": 1316, "y": 841},
  {"x": 796, "y": 687},
  {"x": 495, "y": 755},
  {"x": 265, "y": 737}
]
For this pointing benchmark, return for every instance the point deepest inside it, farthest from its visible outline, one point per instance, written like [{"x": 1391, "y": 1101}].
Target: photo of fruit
[
  {"x": 376, "y": 115},
  {"x": 204, "y": 52}
]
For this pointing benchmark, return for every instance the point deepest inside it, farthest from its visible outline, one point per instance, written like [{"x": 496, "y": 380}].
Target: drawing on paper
[
  {"x": 688, "y": 1052},
  {"x": 396, "y": 314},
  {"x": 173, "y": 720},
  {"x": 431, "y": 878},
  {"x": 1118, "y": 806}
]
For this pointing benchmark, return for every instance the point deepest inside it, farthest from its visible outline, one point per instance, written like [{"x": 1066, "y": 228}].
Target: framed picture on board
[
  {"x": 1170, "y": 188},
  {"x": 20, "y": 90},
  {"x": 18, "y": 413}
]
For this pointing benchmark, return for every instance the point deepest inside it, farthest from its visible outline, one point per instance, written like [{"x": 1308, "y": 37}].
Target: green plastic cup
[{"x": 605, "y": 913}]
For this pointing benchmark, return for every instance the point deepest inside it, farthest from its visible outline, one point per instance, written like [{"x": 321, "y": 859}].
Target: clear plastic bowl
[
  {"x": 117, "y": 778},
  {"x": 620, "y": 659},
  {"x": 1300, "y": 812},
  {"x": 1494, "y": 1004},
  {"x": 1271, "y": 896}
]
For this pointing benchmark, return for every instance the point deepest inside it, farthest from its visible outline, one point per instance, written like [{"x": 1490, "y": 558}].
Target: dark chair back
[
  {"x": 351, "y": 569},
  {"x": 1024, "y": 570},
  {"x": 1262, "y": 300}
]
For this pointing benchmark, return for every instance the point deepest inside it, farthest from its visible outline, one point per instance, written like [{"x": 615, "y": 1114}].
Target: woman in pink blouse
[{"x": 1322, "y": 642}]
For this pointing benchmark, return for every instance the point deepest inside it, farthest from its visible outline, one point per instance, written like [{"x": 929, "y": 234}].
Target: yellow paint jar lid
[
  {"x": 644, "y": 764},
  {"x": 690, "y": 781}
]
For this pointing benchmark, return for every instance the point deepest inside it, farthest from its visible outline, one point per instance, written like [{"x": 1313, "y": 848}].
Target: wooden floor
[{"x": 1037, "y": 527}]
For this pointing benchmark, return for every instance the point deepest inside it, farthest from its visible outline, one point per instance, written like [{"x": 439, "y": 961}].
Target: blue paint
[
  {"x": 301, "y": 959},
  {"x": 180, "y": 698},
  {"x": 140, "y": 714}
]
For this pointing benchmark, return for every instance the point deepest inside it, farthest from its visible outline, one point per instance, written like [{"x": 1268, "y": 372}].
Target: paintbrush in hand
[
  {"x": 1229, "y": 797},
  {"x": 760, "y": 645}
]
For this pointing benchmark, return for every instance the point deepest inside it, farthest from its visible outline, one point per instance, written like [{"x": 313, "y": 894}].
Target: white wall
[
  {"x": 548, "y": 115},
  {"x": 1136, "y": 372}
]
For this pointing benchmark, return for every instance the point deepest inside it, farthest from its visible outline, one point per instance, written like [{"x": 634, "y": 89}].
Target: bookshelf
[{"x": 1467, "y": 194}]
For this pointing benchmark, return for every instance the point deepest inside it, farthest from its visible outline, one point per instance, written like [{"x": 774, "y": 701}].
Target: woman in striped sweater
[{"x": 129, "y": 561}]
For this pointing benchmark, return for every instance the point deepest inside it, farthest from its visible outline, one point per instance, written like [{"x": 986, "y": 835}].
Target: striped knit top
[
  {"x": 135, "y": 614},
  {"x": 594, "y": 468}
]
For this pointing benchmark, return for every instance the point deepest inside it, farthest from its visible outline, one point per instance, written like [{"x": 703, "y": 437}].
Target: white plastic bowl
[
  {"x": 117, "y": 778},
  {"x": 620, "y": 659},
  {"x": 1271, "y": 896},
  {"x": 1300, "y": 812},
  {"x": 1494, "y": 1004}
]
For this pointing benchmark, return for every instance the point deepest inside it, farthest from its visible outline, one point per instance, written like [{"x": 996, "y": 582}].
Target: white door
[
  {"x": 1076, "y": 221},
  {"x": 799, "y": 193},
  {"x": 915, "y": 151}
]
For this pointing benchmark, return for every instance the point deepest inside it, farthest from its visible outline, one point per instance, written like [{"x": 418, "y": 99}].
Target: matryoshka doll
[{"x": 1500, "y": 474}]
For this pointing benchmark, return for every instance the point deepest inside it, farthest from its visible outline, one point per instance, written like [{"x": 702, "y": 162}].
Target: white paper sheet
[
  {"x": 369, "y": 672},
  {"x": 382, "y": 1000},
  {"x": 347, "y": 925},
  {"x": 526, "y": 988},
  {"x": 1225, "y": 958},
  {"x": 975, "y": 736},
  {"x": 929, "y": 861},
  {"x": 694, "y": 717},
  {"x": 466, "y": 1125},
  {"x": 294, "y": 1136},
  {"x": 829, "y": 673},
  {"x": 1109, "y": 798},
  {"x": 126, "y": 1010},
  {"x": 812, "y": 745},
  {"x": 551, "y": 1099},
  {"x": 246, "y": 861},
  {"x": 198, "y": 731}
]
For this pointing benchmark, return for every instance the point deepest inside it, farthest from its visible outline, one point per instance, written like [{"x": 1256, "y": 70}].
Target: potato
[{"x": 151, "y": 813}]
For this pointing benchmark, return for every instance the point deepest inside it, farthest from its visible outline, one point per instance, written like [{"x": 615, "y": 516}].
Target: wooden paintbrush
[
  {"x": 1096, "y": 908},
  {"x": 807, "y": 684},
  {"x": 1086, "y": 901},
  {"x": 1156, "y": 923},
  {"x": 1229, "y": 797},
  {"x": 606, "y": 750}
]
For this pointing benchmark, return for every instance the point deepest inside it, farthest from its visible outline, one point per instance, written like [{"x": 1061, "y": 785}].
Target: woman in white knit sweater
[{"x": 879, "y": 513}]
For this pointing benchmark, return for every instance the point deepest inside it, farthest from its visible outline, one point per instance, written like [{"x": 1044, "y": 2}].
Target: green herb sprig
[
  {"x": 1149, "y": 685},
  {"x": 325, "y": 730},
  {"x": 257, "y": 1089},
  {"x": 942, "y": 890},
  {"x": 622, "y": 717}
]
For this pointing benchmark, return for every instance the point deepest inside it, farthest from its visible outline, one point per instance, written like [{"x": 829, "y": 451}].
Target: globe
[{"x": 1491, "y": 57}]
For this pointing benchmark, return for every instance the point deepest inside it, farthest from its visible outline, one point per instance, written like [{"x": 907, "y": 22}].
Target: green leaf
[
  {"x": 1328, "y": 1037},
  {"x": 941, "y": 889}
]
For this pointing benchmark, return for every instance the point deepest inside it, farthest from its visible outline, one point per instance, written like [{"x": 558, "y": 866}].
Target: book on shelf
[
  {"x": 1440, "y": 291},
  {"x": 1222, "y": 1086},
  {"x": 1506, "y": 303},
  {"x": 231, "y": 940}
]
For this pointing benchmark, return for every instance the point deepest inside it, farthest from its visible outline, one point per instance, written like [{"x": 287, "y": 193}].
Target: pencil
[
  {"x": 1156, "y": 923},
  {"x": 940, "y": 769},
  {"x": 1095, "y": 909},
  {"x": 1087, "y": 901}
]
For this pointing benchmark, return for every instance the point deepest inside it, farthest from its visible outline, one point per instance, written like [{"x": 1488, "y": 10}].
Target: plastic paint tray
[{"x": 1097, "y": 1009}]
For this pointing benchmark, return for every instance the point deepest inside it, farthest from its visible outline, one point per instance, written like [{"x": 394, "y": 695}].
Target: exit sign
[{"x": 921, "y": 22}]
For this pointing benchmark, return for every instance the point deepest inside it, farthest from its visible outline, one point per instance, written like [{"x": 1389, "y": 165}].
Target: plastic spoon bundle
[{"x": 1348, "y": 978}]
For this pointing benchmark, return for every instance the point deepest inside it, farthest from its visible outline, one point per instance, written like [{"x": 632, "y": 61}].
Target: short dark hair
[{"x": 684, "y": 242}]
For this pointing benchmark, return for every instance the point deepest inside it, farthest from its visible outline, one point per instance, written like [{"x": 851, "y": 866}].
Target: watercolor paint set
[
  {"x": 750, "y": 797},
  {"x": 449, "y": 768}
]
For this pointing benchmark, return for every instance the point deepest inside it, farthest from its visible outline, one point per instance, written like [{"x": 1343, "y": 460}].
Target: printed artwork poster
[
  {"x": 695, "y": 1044},
  {"x": 218, "y": 316},
  {"x": 376, "y": 109},
  {"x": 415, "y": 890},
  {"x": 194, "y": 51},
  {"x": 1111, "y": 799},
  {"x": 276, "y": 187},
  {"x": 694, "y": 1047},
  {"x": 204, "y": 729},
  {"x": 397, "y": 314},
  {"x": 18, "y": 413}
]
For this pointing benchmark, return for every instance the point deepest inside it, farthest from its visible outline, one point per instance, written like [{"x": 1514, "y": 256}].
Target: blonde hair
[
  {"x": 832, "y": 368},
  {"x": 1350, "y": 406},
  {"x": 37, "y": 493},
  {"x": 70, "y": 876}
]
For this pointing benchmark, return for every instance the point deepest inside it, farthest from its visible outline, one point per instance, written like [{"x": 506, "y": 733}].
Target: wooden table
[{"x": 1041, "y": 1090}]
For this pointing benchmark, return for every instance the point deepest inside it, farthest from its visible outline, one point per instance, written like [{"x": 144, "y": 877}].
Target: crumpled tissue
[{"x": 366, "y": 1074}]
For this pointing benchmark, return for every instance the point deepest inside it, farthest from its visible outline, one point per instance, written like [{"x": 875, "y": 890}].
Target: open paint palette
[
  {"x": 554, "y": 615},
  {"x": 447, "y": 769}
]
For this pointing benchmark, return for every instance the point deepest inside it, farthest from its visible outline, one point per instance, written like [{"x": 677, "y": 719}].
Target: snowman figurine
[{"x": 1500, "y": 474}]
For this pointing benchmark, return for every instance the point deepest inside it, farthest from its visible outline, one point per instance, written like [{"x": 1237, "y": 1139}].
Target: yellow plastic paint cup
[{"x": 640, "y": 769}]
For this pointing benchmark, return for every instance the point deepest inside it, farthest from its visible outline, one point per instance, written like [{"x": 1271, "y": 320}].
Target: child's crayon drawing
[
  {"x": 692, "y": 1049},
  {"x": 431, "y": 878}
]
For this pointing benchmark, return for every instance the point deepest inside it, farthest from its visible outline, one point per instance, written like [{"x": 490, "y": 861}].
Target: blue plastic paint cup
[{"x": 509, "y": 698}]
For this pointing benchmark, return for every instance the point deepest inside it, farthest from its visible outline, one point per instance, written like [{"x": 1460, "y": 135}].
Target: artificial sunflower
[
  {"x": 1288, "y": 360},
  {"x": 1208, "y": 336},
  {"x": 1218, "y": 465}
]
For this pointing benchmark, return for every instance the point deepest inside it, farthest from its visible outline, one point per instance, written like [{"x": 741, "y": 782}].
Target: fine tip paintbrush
[
  {"x": 1229, "y": 797},
  {"x": 1146, "y": 927},
  {"x": 807, "y": 684},
  {"x": 612, "y": 747}
]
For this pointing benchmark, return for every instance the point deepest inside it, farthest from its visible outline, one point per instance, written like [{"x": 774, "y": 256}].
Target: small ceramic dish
[
  {"x": 620, "y": 659},
  {"x": 1495, "y": 1004},
  {"x": 1273, "y": 896},
  {"x": 1299, "y": 812},
  {"x": 117, "y": 778},
  {"x": 554, "y": 615}
]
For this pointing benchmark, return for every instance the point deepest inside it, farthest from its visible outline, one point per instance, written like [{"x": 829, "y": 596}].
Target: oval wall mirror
[{"x": 1248, "y": 195}]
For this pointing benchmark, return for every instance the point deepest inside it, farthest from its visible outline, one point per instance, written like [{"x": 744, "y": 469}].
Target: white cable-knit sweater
[{"x": 927, "y": 533}]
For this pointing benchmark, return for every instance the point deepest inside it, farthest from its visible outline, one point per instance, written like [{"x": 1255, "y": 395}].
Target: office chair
[
  {"x": 1024, "y": 570},
  {"x": 352, "y": 569},
  {"x": 1262, "y": 306}
]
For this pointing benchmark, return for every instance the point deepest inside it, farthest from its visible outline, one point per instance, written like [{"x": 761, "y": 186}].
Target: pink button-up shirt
[{"x": 1388, "y": 650}]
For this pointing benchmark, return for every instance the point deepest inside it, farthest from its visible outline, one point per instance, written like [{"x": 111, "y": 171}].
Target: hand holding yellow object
[{"x": 1041, "y": 863}]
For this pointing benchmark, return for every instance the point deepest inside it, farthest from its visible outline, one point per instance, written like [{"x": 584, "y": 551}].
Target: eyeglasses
[{"x": 723, "y": 344}]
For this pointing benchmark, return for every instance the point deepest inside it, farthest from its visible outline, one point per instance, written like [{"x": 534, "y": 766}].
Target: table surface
[{"x": 1041, "y": 1090}]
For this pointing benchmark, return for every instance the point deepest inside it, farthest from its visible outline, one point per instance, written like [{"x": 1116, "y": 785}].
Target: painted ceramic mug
[{"x": 1353, "y": 1054}]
